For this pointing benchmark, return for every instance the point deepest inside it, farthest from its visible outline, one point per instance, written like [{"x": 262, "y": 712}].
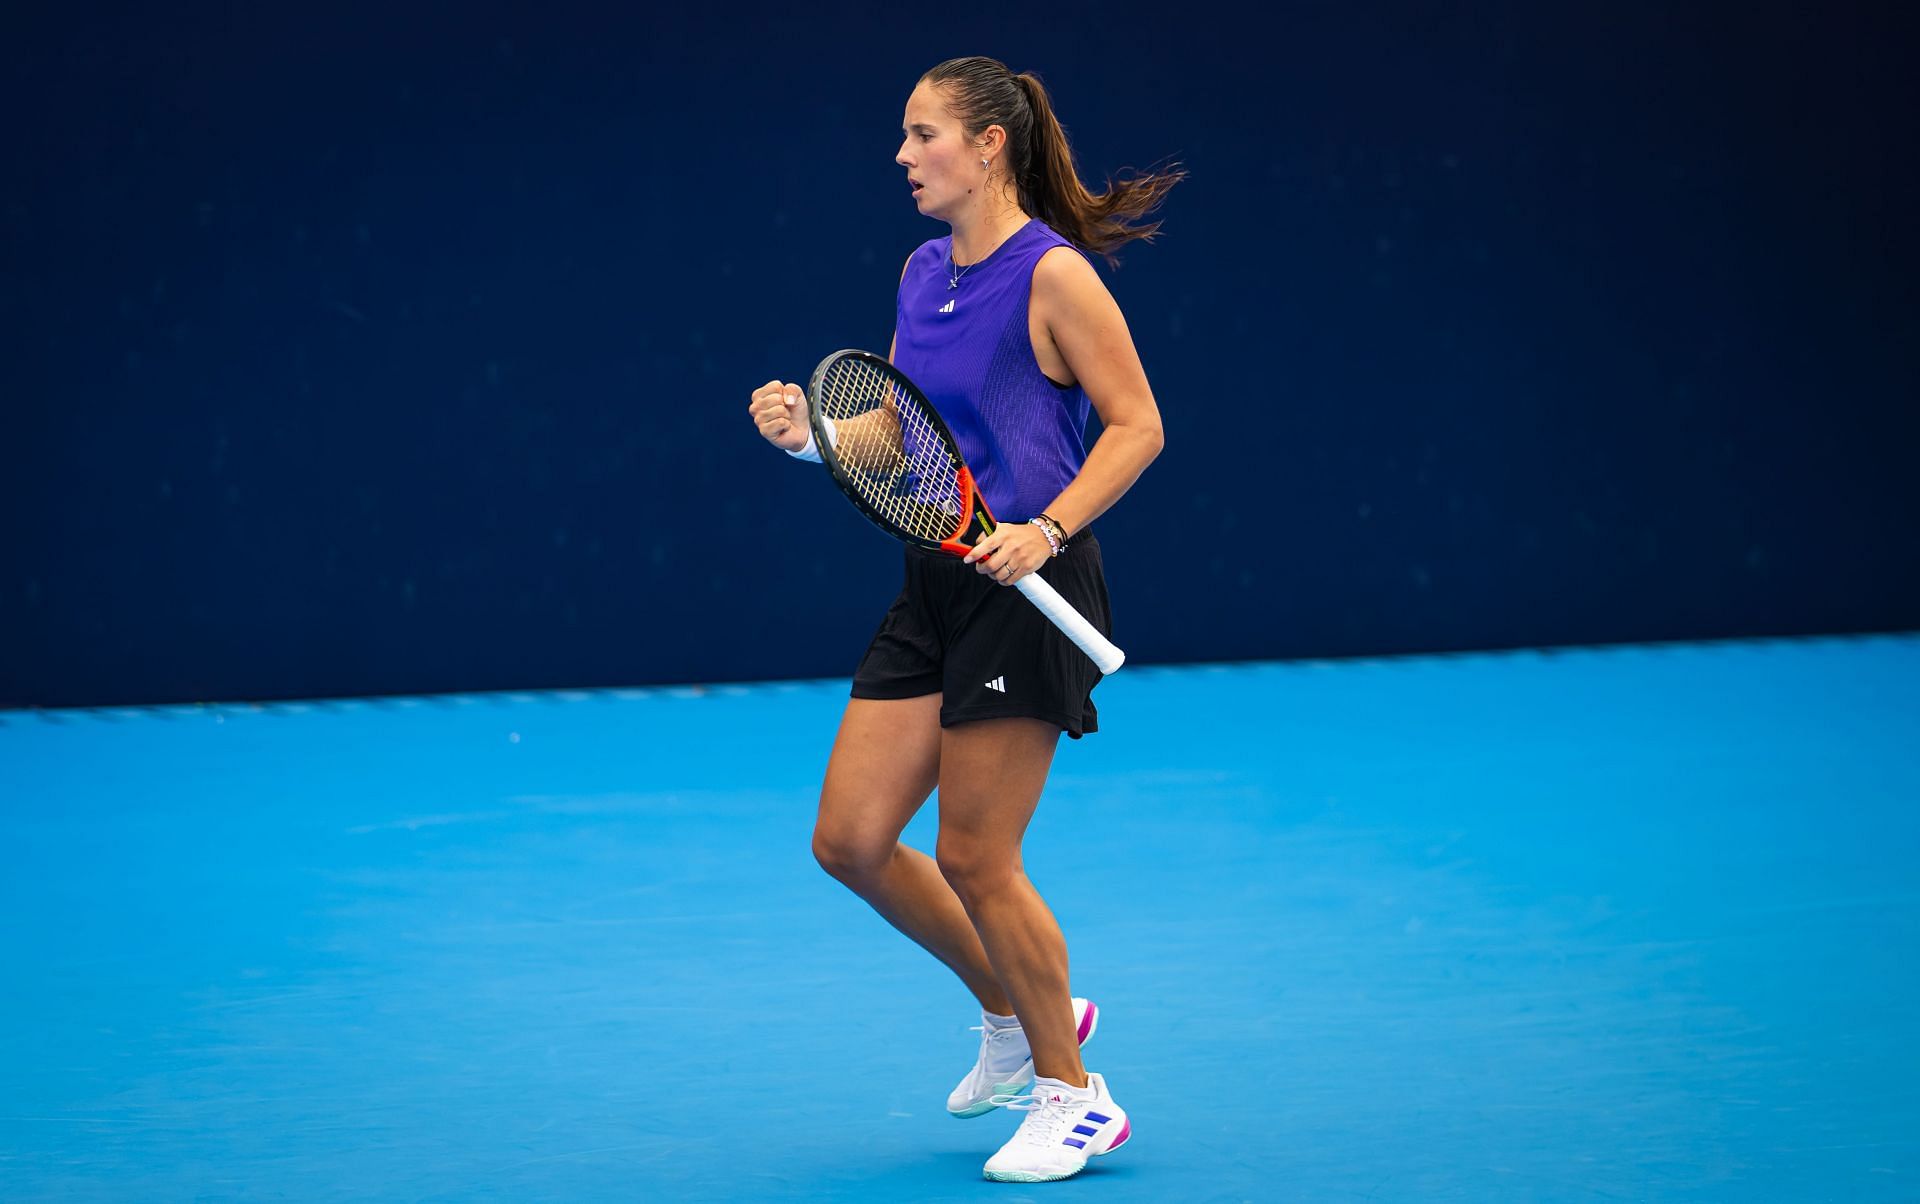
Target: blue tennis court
[{"x": 1633, "y": 923}]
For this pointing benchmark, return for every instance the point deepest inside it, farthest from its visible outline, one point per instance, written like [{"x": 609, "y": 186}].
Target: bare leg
[
  {"x": 991, "y": 774},
  {"x": 885, "y": 762}
]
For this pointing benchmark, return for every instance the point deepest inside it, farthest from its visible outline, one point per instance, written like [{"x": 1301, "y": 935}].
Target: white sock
[{"x": 1005, "y": 1057}]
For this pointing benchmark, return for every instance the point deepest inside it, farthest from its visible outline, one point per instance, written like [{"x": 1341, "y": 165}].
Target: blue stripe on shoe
[
  {"x": 1084, "y": 1131},
  {"x": 1076, "y": 1143},
  {"x": 1098, "y": 1119}
]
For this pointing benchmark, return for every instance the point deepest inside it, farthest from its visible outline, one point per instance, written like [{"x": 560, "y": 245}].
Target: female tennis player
[{"x": 1008, "y": 330}]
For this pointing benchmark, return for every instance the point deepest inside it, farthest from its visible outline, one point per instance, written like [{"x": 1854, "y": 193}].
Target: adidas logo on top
[
  {"x": 947, "y": 308},
  {"x": 998, "y": 683}
]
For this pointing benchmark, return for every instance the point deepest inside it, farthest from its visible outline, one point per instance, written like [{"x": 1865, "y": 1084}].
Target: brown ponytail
[{"x": 984, "y": 92}]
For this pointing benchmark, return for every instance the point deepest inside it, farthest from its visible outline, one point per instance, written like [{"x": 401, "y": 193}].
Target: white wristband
[{"x": 811, "y": 452}]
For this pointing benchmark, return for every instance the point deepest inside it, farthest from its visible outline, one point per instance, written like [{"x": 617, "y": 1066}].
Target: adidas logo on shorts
[{"x": 998, "y": 683}]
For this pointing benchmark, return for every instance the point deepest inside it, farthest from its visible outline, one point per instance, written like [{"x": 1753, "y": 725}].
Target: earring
[{"x": 983, "y": 163}]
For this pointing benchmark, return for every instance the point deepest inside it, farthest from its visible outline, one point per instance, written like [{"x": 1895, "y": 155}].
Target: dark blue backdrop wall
[{"x": 357, "y": 351}]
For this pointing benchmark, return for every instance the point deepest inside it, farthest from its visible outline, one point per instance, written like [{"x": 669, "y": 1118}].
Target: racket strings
[{"x": 892, "y": 455}]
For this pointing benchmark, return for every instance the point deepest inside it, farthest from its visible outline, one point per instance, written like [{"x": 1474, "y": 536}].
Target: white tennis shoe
[
  {"x": 1006, "y": 1064},
  {"x": 1064, "y": 1127}
]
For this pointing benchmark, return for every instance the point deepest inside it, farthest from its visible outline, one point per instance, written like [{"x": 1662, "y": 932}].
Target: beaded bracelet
[{"x": 1051, "y": 528}]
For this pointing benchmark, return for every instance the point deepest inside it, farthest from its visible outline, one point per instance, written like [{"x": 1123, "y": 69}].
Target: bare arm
[
  {"x": 1092, "y": 336},
  {"x": 870, "y": 442},
  {"x": 1086, "y": 326}
]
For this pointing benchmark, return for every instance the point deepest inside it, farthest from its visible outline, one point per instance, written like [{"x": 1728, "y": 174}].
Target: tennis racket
[{"x": 889, "y": 450}]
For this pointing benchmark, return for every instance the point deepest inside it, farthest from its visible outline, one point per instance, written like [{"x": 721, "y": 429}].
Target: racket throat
[{"x": 973, "y": 514}]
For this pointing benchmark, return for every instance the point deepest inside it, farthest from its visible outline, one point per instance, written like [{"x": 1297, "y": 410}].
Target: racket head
[{"x": 893, "y": 455}]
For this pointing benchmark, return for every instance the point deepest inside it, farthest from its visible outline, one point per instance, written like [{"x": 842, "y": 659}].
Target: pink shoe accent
[
  {"x": 1086, "y": 1021},
  {"x": 1126, "y": 1131}
]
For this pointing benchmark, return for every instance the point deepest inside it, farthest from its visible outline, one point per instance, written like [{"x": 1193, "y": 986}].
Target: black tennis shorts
[{"x": 987, "y": 651}]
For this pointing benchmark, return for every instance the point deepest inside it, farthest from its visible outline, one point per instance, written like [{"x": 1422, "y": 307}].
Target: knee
[
  {"x": 973, "y": 873},
  {"x": 850, "y": 857}
]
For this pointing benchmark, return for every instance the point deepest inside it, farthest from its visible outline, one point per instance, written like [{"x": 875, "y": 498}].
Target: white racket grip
[{"x": 1072, "y": 622}]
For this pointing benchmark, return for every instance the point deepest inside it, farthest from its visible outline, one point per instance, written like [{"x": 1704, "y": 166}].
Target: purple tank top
[{"x": 967, "y": 348}]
